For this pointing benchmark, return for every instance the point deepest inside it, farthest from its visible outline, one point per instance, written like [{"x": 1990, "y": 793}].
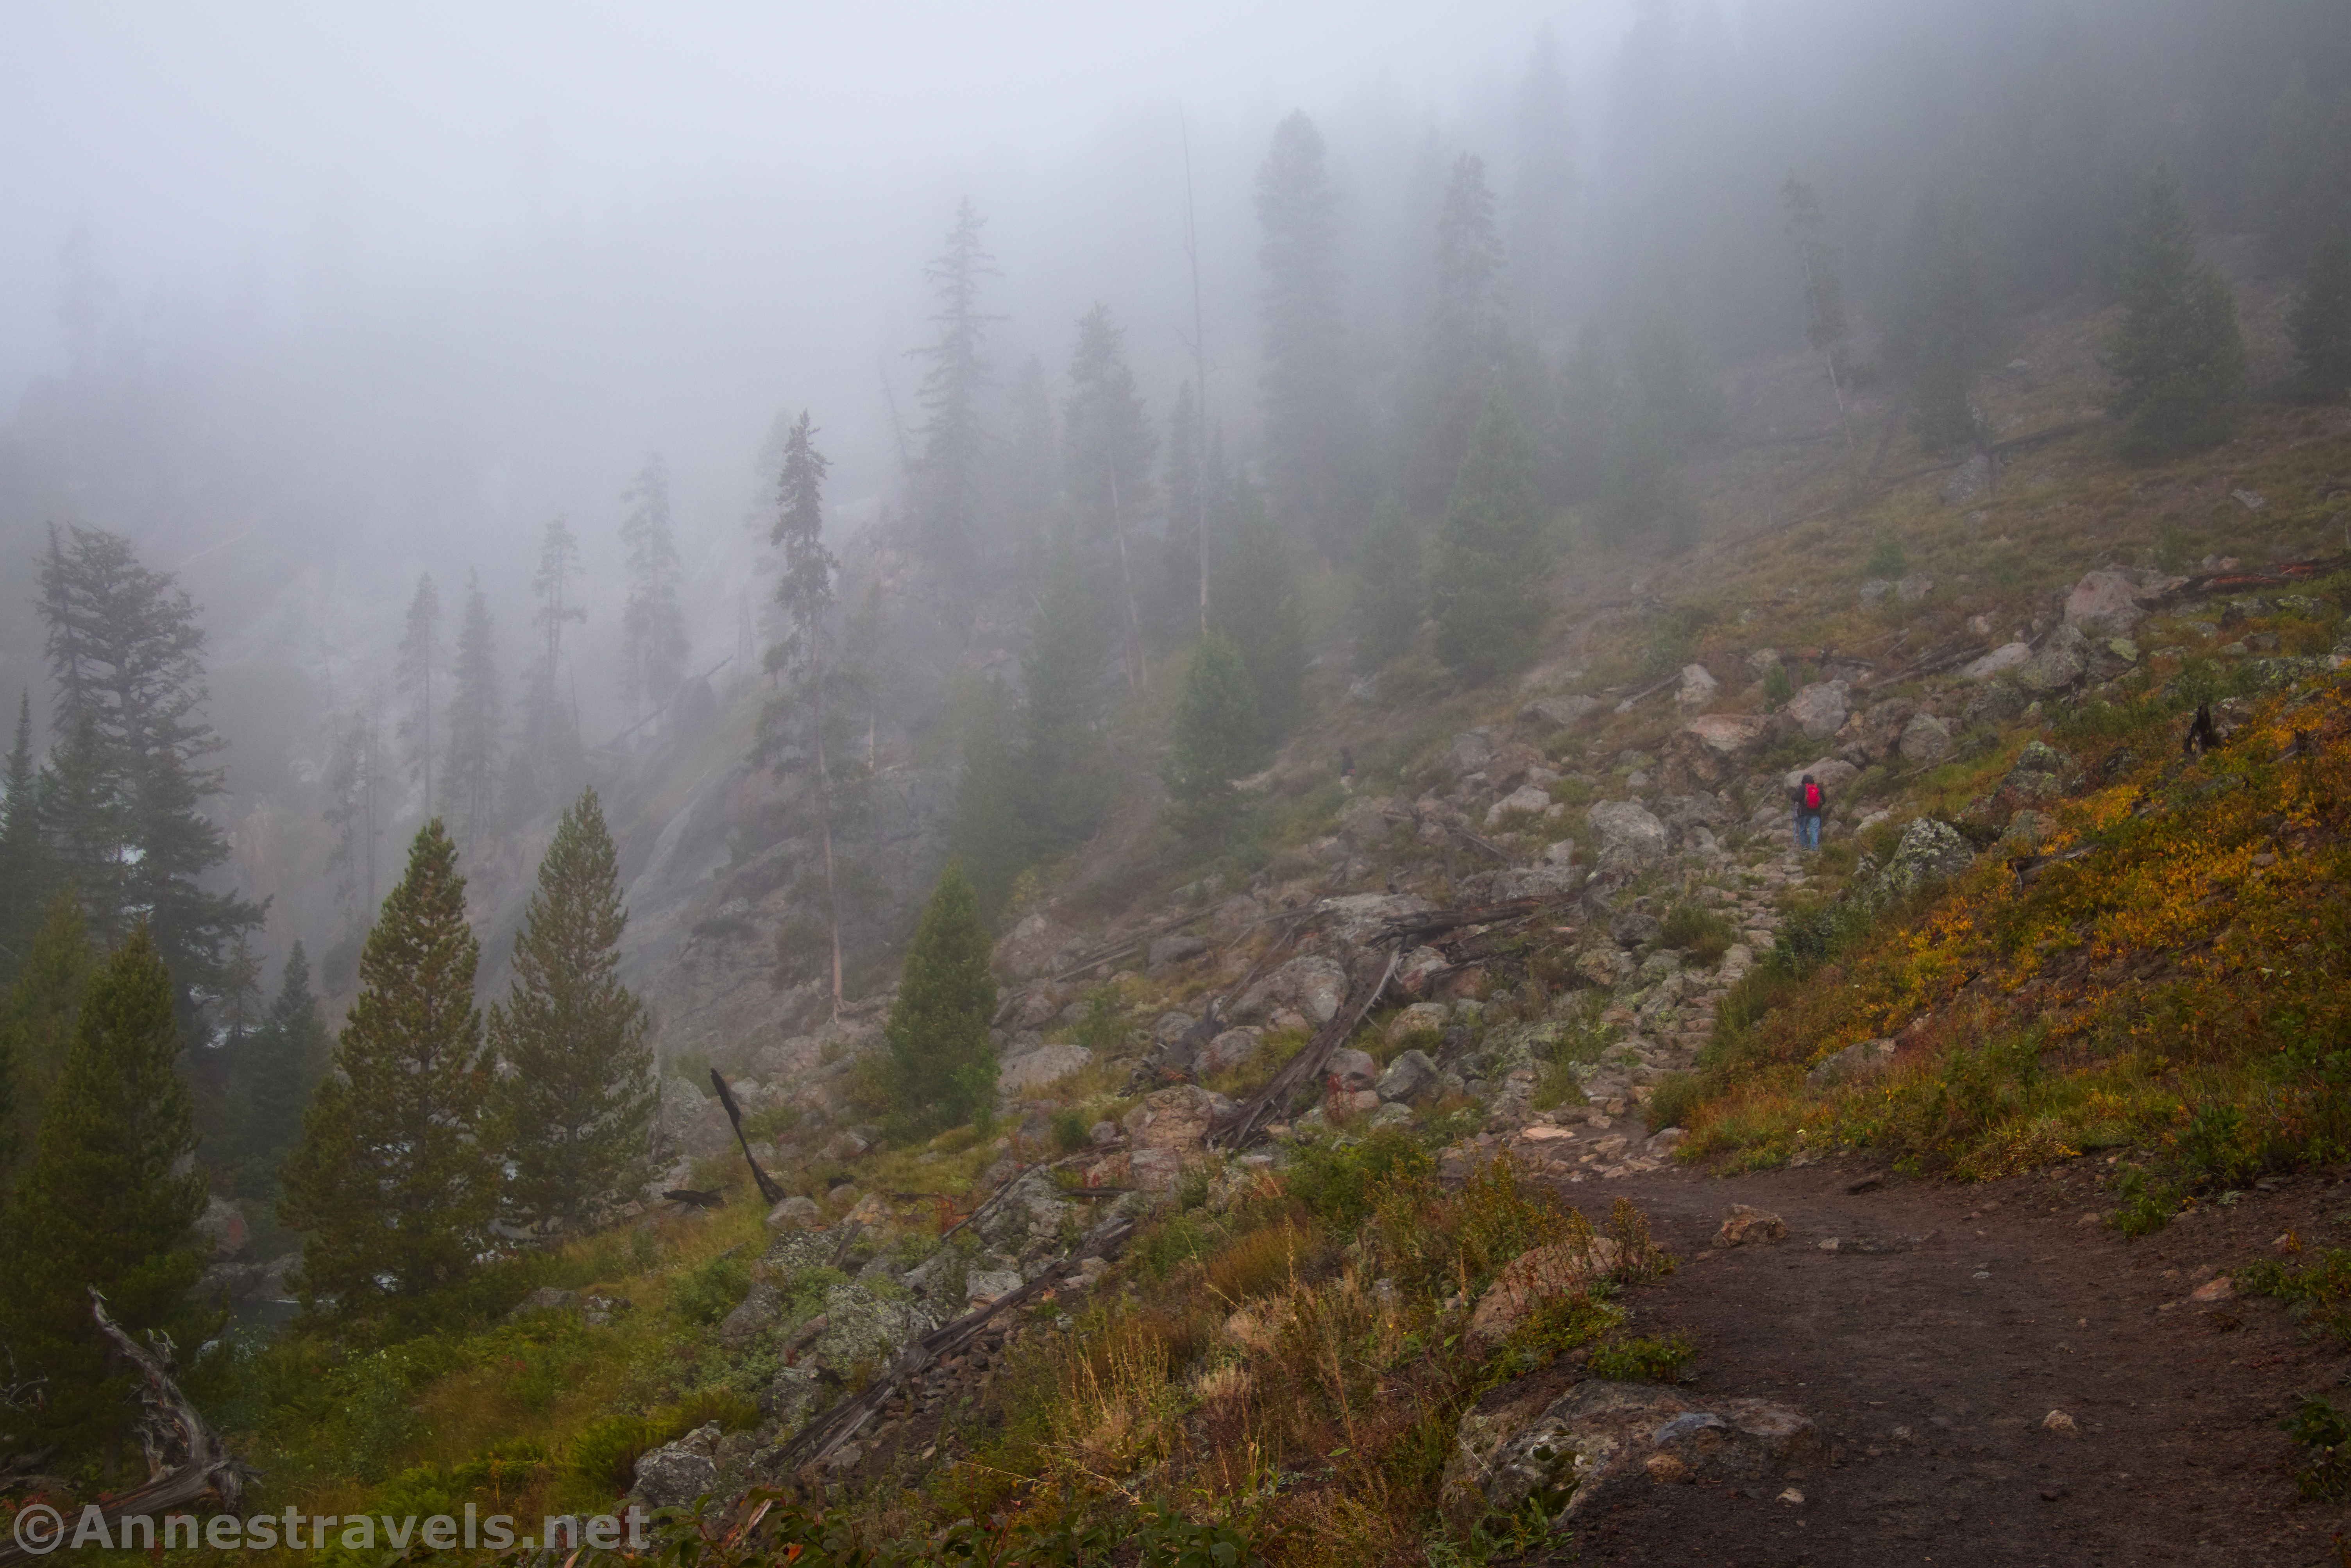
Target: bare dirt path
[{"x": 1930, "y": 1348}]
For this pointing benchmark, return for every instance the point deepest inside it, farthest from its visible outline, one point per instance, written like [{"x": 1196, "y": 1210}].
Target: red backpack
[{"x": 1811, "y": 797}]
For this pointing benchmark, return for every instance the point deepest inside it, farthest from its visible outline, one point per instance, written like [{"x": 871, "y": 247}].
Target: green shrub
[
  {"x": 1672, "y": 1098},
  {"x": 2317, "y": 1292},
  {"x": 2325, "y": 1434},
  {"x": 712, "y": 1288},
  {"x": 1339, "y": 1183},
  {"x": 1887, "y": 557},
  {"x": 1778, "y": 687},
  {"x": 1703, "y": 934},
  {"x": 1643, "y": 1358},
  {"x": 1071, "y": 1131},
  {"x": 605, "y": 1453}
]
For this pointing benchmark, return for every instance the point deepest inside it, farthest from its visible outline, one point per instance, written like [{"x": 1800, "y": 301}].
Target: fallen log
[
  {"x": 1241, "y": 1125},
  {"x": 768, "y": 1187}
]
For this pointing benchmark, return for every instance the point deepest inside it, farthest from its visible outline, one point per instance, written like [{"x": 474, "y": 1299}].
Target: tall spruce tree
[
  {"x": 1467, "y": 334},
  {"x": 953, "y": 440},
  {"x": 1258, "y": 603},
  {"x": 653, "y": 643},
  {"x": 804, "y": 592},
  {"x": 469, "y": 778},
  {"x": 1941, "y": 335},
  {"x": 574, "y": 1096},
  {"x": 1067, "y": 780},
  {"x": 24, "y": 872},
  {"x": 1108, "y": 446},
  {"x": 129, "y": 781},
  {"x": 1304, "y": 376},
  {"x": 1391, "y": 592},
  {"x": 1217, "y": 738},
  {"x": 1032, "y": 472},
  {"x": 418, "y": 672},
  {"x": 942, "y": 1064},
  {"x": 110, "y": 1202},
  {"x": 2321, "y": 325},
  {"x": 358, "y": 801},
  {"x": 2178, "y": 359},
  {"x": 1487, "y": 587},
  {"x": 394, "y": 1181},
  {"x": 36, "y": 1024},
  {"x": 271, "y": 1078}
]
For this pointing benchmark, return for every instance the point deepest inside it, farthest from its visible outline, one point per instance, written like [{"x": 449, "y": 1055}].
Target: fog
[{"x": 307, "y": 302}]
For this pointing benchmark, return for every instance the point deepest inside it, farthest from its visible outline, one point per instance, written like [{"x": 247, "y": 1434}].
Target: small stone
[
  {"x": 1666, "y": 1469},
  {"x": 2058, "y": 1421},
  {"x": 796, "y": 1213},
  {"x": 1746, "y": 1225},
  {"x": 2218, "y": 1289},
  {"x": 1792, "y": 1496}
]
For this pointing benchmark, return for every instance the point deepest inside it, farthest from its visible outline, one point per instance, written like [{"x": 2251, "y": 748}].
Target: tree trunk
[{"x": 1133, "y": 658}]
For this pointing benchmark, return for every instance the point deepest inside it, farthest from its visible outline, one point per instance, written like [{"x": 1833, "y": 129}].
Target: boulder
[
  {"x": 1046, "y": 1064},
  {"x": 1030, "y": 947},
  {"x": 1236, "y": 916},
  {"x": 1468, "y": 753},
  {"x": 1314, "y": 985},
  {"x": 1527, "y": 799},
  {"x": 1553, "y": 714},
  {"x": 2007, "y": 656},
  {"x": 1853, "y": 1062},
  {"x": 1178, "y": 948},
  {"x": 1410, "y": 1077},
  {"x": 753, "y": 1315},
  {"x": 985, "y": 1287},
  {"x": 1170, "y": 1027},
  {"x": 1698, "y": 687},
  {"x": 796, "y": 1213},
  {"x": 790, "y": 1397},
  {"x": 1630, "y": 836},
  {"x": 2106, "y": 601},
  {"x": 1749, "y": 1226},
  {"x": 1421, "y": 1018},
  {"x": 1602, "y": 1442},
  {"x": 1926, "y": 739},
  {"x": 1910, "y": 590},
  {"x": 1728, "y": 733},
  {"x": 1233, "y": 1048},
  {"x": 1635, "y": 928},
  {"x": 865, "y": 1329},
  {"x": 545, "y": 1298},
  {"x": 677, "y": 1473},
  {"x": 1930, "y": 851},
  {"x": 1819, "y": 710},
  {"x": 2062, "y": 662},
  {"x": 1831, "y": 773},
  {"x": 1417, "y": 967},
  {"x": 1172, "y": 1118},
  {"x": 223, "y": 1224},
  {"x": 1353, "y": 1071},
  {"x": 1533, "y": 882},
  {"x": 1544, "y": 1273},
  {"x": 1354, "y": 919}
]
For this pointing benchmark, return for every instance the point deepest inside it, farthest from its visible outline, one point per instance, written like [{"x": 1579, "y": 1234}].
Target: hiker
[{"x": 1811, "y": 801}]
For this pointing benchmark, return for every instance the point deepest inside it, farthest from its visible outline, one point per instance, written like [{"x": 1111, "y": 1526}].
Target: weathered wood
[
  {"x": 768, "y": 1187},
  {"x": 1243, "y": 1124},
  {"x": 187, "y": 1463}
]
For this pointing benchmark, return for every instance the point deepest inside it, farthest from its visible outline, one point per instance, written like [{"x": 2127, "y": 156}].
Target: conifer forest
[{"x": 1514, "y": 783}]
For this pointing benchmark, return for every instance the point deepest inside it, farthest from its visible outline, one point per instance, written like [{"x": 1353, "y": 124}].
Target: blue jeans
[{"x": 1808, "y": 829}]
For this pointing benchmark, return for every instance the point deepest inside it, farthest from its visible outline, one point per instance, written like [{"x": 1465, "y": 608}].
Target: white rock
[
  {"x": 2007, "y": 656},
  {"x": 1819, "y": 710},
  {"x": 1046, "y": 1064},
  {"x": 1630, "y": 835},
  {"x": 1697, "y": 688},
  {"x": 1526, "y": 797}
]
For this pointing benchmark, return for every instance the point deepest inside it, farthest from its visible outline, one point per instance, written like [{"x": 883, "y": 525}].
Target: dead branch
[
  {"x": 768, "y": 1187},
  {"x": 1245, "y": 1121}
]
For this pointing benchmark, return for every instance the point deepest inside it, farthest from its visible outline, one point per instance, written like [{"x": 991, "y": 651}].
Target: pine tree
[
  {"x": 36, "y": 1024},
  {"x": 942, "y": 1064},
  {"x": 1940, "y": 338},
  {"x": 987, "y": 836},
  {"x": 357, "y": 799},
  {"x": 26, "y": 874},
  {"x": 271, "y": 1078},
  {"x": 1067, "y": 780},
  {"x": 128, "y": 785},
  {"x": 418, "y": 665},
  {"x": 1108, "y": 445},
  {"x": 1825, "y": 327},
  {"x": 2321, "y": 325},
  {"x": 953, "y": 441},
  {"x": 469, "y": 781},
  {"x": 804, "y": 592},
  {"x": 2178, "y": 359},
  {"x": 1257, "y": 602},
  {"x": 1487, "y": 588},
  {"x": 652, "y": 624},
  {"x": 1391, "y": 596},
  {"x": 1219, "y": 735},
  {"x": 574, "y": 1096},
  {"x": 1304, "y": 378},
  {"x": 109, "y": 1203},
  {"x": 394, "y": 1180},
  {"x": 548, "y": 762},
  {"x": 1466, "y": 341},
  {"x": 1031, "y": 477}
]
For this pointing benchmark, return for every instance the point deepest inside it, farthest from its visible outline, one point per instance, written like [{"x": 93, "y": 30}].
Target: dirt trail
[{"x": 1931, "y": 1365}]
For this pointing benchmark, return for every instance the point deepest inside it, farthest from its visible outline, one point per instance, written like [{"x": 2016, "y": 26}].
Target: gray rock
[
  {"x": 1831, "y": 773},
  {"x": 1635, "y": 929},
  {"x": 1233, "y": 1048},
  {"x": 1930, "y": 851},
  {"x": 1630, "y": 836},
  {"x": 1527, "y": 799},
  {"x": 1876, "y": 590},
  {"x": 2007, "y": 656},
  {"x": 1410, "y": 1077},
  {"x": 795, "y": 1213},
  {"x": 2111, "y": 602},
  {"x": 1470, "y": 753},
  {"x": 1925, "y": 739},
  {"x": 1914, "y": 587},
  {"x": 790, "y": 1397},
  {"x": 982, "y": 1286},
  {"x": 752, "y": 1316},
  {"x": 1534, "y": 881},
  {"x": 1046, "y": 1064},
  {"x": 1698, "y": 687},
  {"x": 1353, "y": 1069},
  {"x": 677, "y": 1473},
  {"x": 1819, "y": 710},
  {"x": 2062, "y": 662},
  {"x": 1177, "y": 949},
  {"x": 863, "y": 1328},
  {"x": 1854, "y": 1061},
  {"x": 1553, "y": 714},
  {"x": 545, "y": 1298},
  {"x": 1314, "y": 985}
]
